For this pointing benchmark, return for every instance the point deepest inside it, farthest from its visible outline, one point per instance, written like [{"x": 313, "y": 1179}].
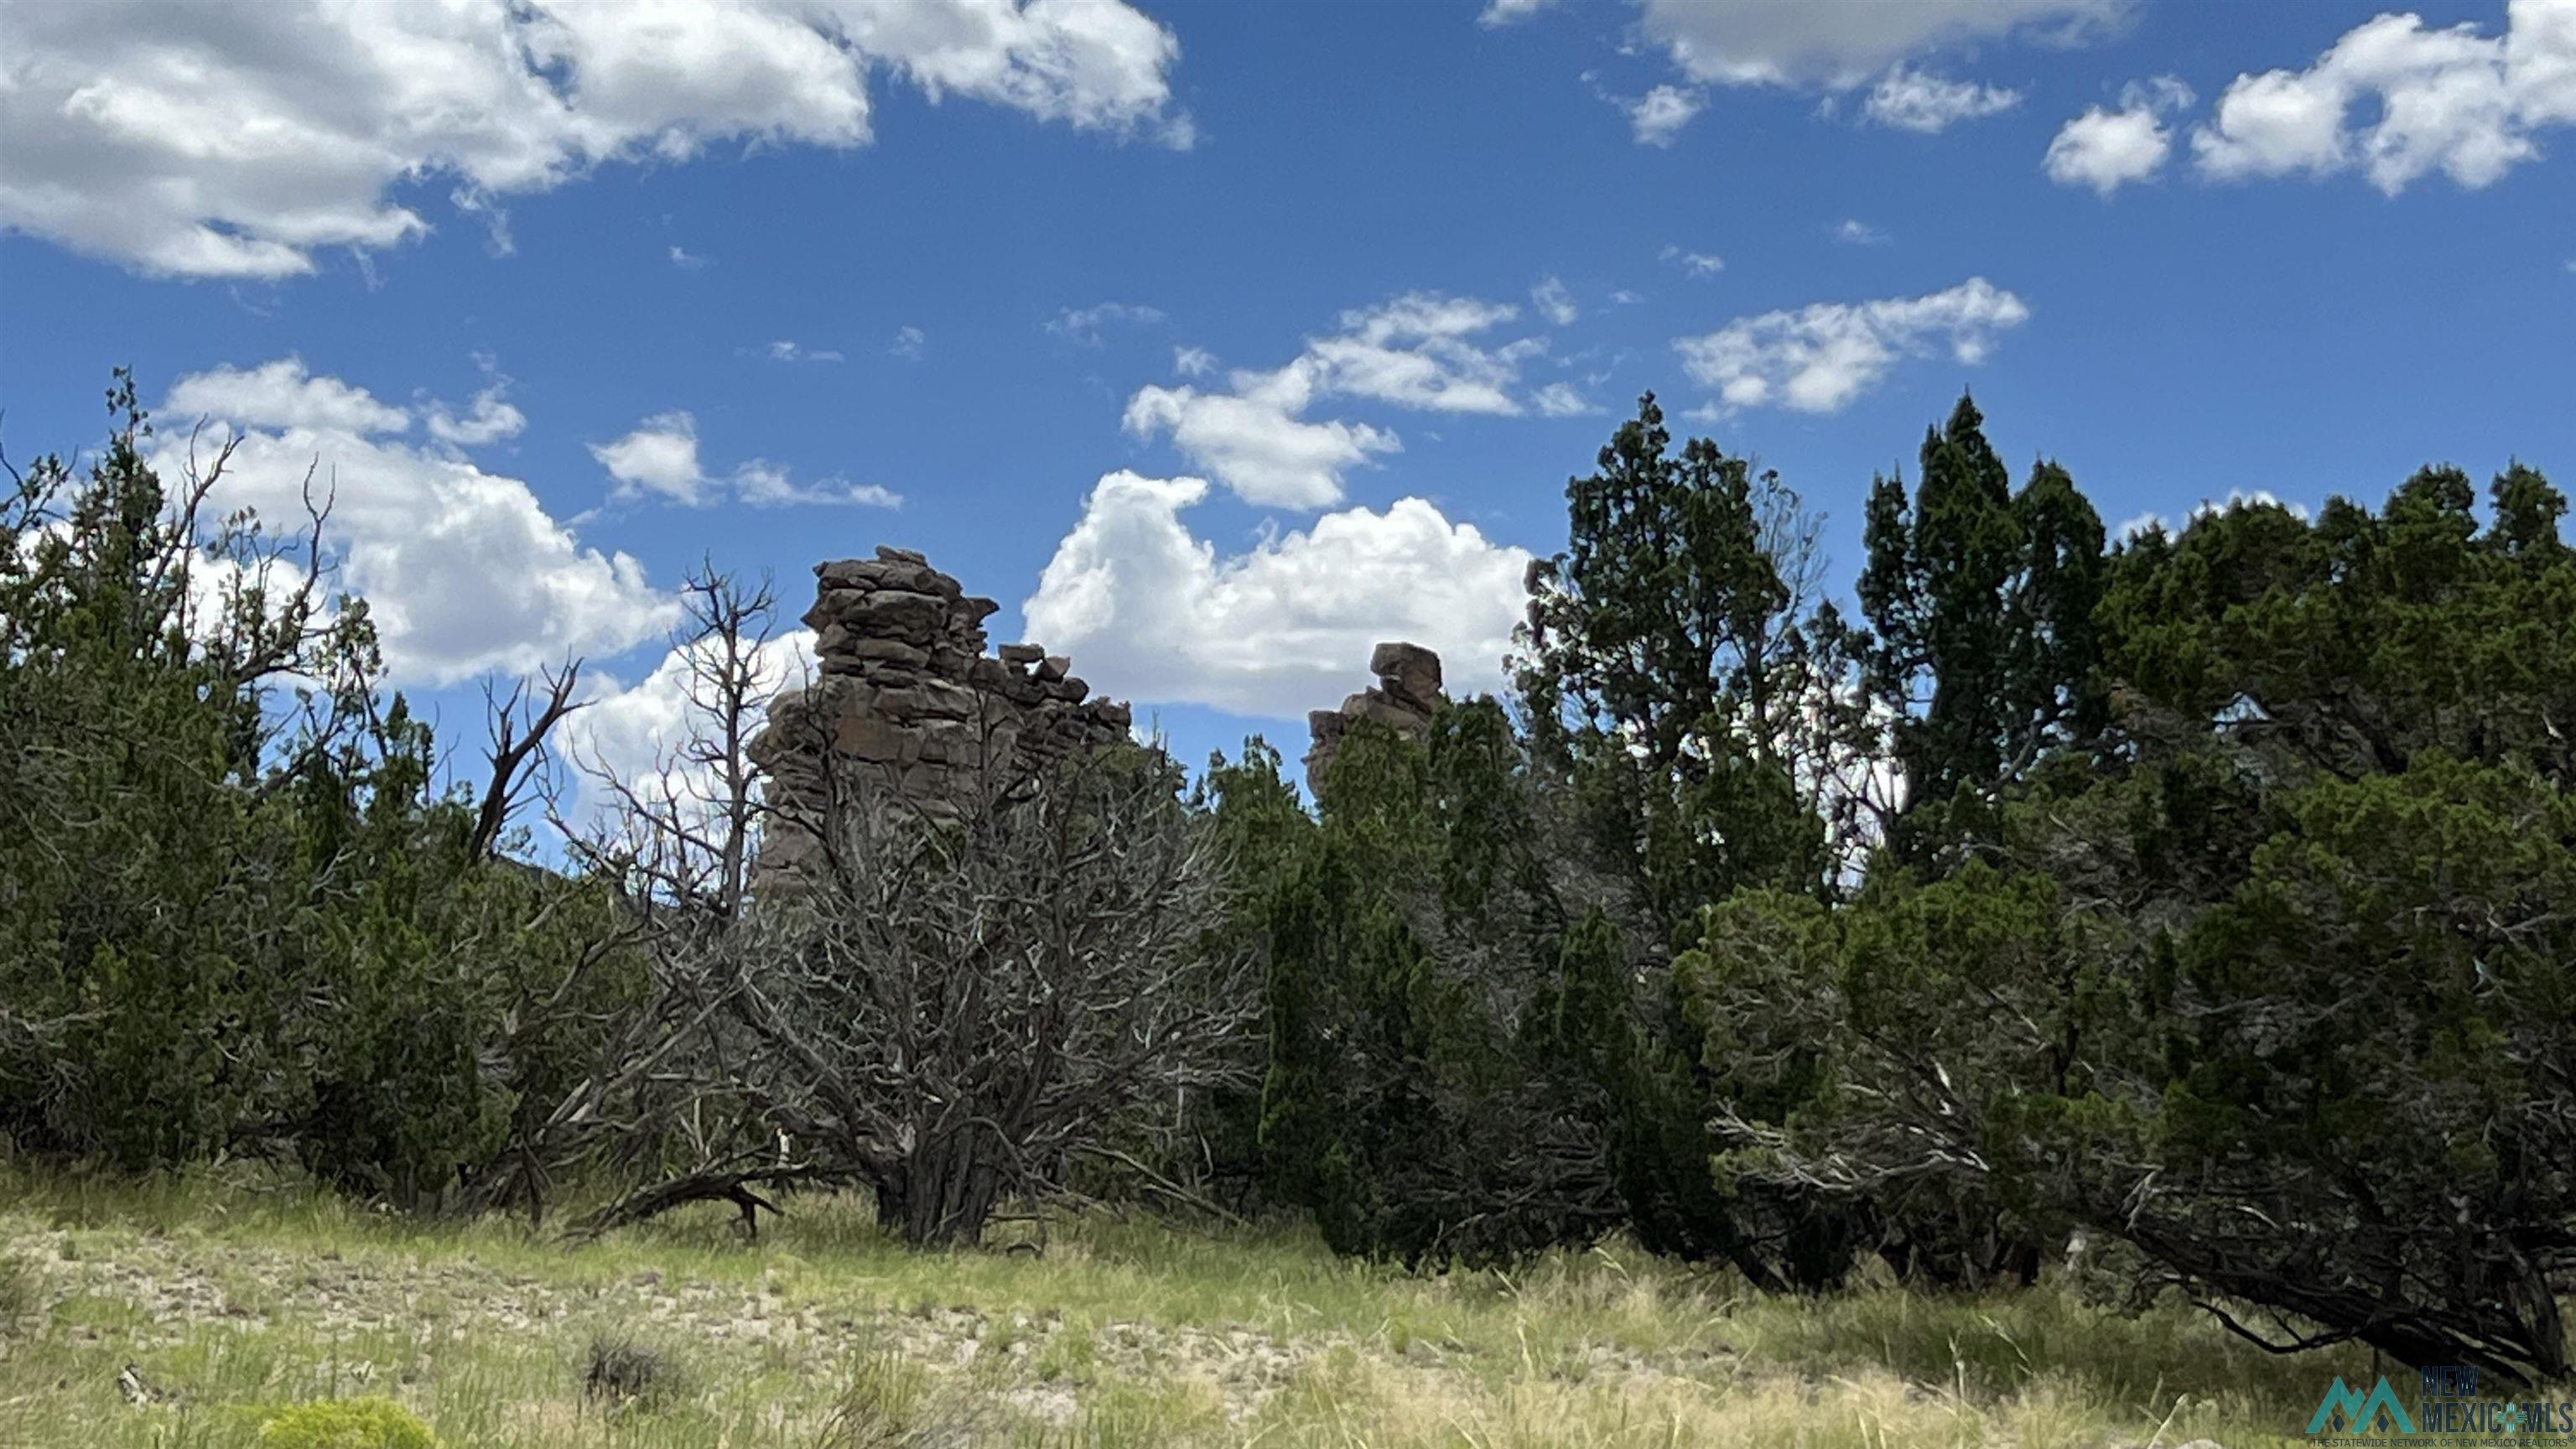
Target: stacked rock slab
[
  {"x": 1404, "y": 698},
  {"x": 905, "y": 695}
]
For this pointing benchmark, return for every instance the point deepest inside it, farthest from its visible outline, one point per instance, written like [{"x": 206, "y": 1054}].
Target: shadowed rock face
[
  {"x": 1404, "y": 698},
  {"x": 905, "y": 691}
]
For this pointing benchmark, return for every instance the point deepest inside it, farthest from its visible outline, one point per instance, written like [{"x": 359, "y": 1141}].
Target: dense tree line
[
  {"x": 235, "y": 916},
  {"x": 2207, "y": 895}
]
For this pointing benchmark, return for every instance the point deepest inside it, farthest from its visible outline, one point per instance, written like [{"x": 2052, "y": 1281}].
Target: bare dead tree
[
  {"x": 958, "y": 1007},
  {"x": 944, "y": 1001},
  {"x": 521, "y": 723},
  {"x": 680, "y": 834},
  {"x": 953, "y": 1004}
]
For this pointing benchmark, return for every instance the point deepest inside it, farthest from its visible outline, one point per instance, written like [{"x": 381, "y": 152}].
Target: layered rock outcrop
[
  {"x": 906, "y": 696},
  {"x": 1406, "y": 695}
]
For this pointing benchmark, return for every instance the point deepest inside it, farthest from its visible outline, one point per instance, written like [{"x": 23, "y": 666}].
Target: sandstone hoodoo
[
  {"x": 905, "y": 692},
  {"x": 1406, "y": 695}
]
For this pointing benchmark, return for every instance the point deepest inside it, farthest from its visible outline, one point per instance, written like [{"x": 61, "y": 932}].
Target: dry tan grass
[{"x": 232, "y": 1299}]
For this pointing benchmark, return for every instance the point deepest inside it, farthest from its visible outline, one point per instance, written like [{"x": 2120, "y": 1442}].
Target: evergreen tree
[
  {"x": 2275, "y": 984},
  {"x": 1431, "y": 1007},
  {"x": 1675, "y": 672},
  {"x": 234, "y": 916},
  {"x": 1693, "y": 701},
  {"x": 1980, "y": 601}
]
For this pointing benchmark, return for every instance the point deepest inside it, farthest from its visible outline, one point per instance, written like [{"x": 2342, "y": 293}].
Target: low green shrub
[{"x": 369, "y": 1423}]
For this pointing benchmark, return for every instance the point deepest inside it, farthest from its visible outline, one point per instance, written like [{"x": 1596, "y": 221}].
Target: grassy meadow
[{"x": 236, "y": 1299}]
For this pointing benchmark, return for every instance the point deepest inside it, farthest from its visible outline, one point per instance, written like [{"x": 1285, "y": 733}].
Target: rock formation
[
  {"x": 906, "y": 694},
  {"x": 1404, "y": 698}
]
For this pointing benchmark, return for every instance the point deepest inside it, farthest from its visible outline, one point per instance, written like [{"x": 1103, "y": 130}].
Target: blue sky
[{"x": 770, "y": 282}]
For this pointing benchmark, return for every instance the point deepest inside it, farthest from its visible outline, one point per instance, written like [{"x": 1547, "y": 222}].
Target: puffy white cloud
[
  {"x": 1554, "y": 302},
  {"x": 660, "y": 456},
  {"x": 1254, "y": 439},
  {"x": 1843, "y": 42},
  {"x": 2454, "y": 100},
  {"x": 463, "y": 570},
  {"x": 1081, "y": 325},
  {"x": 1193, "y": 361},
  {"x": 1414, "y": 352},
  {"x": 689, "y": 261},
  {"x": 1819, "y": 358},
  {"x": 282, "y": 394},
  {"x": 1154, "y": 614},
  {"x": 1417, "y": 350},
  {"x": 1912, "y": 100},
  {"x": 491, "y": 419},
  {"x": 194, "y": 140},
  {"x": 1659, "y": 115},
  {"x": 640, "y": 732},
  {"x": 2107, "y": 149},
  {"x": 1854, "y": 232}
]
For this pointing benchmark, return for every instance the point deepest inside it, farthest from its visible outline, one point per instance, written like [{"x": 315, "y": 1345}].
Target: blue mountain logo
[{"x": 2344, "y": 1410}]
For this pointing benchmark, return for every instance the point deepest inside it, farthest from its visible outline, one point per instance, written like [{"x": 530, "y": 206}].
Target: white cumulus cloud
[
  {"x": 1155, "y": 614},
  {"x": 234, "y": 140},
  {"x": 1659, "y": 115},
  {"x": 1818, "y": 358},
  {"x": 282, "y": 394},
  {"x": 640, "y": 732},
  {"x": 1420, "y": 350},
  {"x": 2454, "y": 100},
  {"x": 1254, "y": 439},
  {"x": 2107, "y": 148},
  {"x": 659, "y": 456},
  {"x": 463, "y": 570},
  {"x": 491, "y": 418},
  {"x": 1415, "y": 351}
]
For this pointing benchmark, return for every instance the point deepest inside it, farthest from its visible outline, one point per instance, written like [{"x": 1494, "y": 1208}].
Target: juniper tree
[
  {"x": 2274, "y": 984},
  {"x": 236, "y": 917},
  {"x": 1980, "y": 603},
  {"x": 1693, "y": 703},
  {"x": 1428, "y": 998}
]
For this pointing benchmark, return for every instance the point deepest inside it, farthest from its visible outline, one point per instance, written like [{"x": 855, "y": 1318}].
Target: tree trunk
[{"x": 944, "y": 1192}]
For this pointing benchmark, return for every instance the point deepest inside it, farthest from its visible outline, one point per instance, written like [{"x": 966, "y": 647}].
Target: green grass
[{"x": 236, "y": 1297}]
